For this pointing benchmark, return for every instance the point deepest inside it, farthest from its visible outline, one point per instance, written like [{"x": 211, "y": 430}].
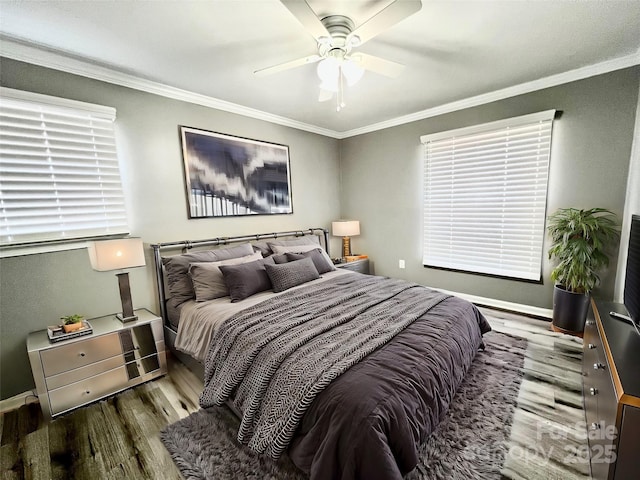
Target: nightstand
[
  {"x": 116, "y": 356},
  {"x": 360, "y": 266}
]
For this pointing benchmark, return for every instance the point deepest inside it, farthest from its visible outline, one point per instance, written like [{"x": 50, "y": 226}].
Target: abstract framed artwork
[{"x": 228, "y": 176}]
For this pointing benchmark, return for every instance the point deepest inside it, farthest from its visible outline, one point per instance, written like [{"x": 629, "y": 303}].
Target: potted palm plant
[{"x": 580, "y": 243}]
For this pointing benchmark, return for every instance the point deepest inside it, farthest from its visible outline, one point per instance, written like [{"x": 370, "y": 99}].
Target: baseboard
[
  {"x": 529, "y": 310},
  {"x": 15, "y": 402}
]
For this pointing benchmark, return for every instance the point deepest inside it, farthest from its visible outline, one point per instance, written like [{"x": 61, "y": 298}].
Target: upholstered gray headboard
[{"x": 183, "y": 246}]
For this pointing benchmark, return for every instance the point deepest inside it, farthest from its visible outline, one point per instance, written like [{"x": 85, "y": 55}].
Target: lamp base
[
  {"x": 346, "y": 246},
  {"x": 127, "y": 314},
  {"x": 124, "y": 319}
]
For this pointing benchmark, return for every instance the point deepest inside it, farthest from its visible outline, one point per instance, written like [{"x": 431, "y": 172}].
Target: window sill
[{"x": 22, "y": 250}]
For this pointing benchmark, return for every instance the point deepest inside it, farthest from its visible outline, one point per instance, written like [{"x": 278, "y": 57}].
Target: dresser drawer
[
  {"x": 87, "y": 390},
  {"x": 78, "y": 354},
  {"x": 591, "y": 351},
  {"x": 601, "y": 426},
  {"x": 627, "y": 466}
]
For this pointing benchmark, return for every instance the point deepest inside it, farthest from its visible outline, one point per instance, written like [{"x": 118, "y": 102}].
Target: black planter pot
[{"x": 569, "y": 310}]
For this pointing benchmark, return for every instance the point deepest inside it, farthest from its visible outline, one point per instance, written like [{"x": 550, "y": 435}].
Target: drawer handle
[
  {"x": 591, "y": 346},
  {"x": 598, "y": 366},
  {"x": 87, "y": 392},
  {"x": 593, "y": 391},
  {"x": 595, "y": 426},
  {"x": 590, "y": 322},
  {"x": 82, "y": 354}
]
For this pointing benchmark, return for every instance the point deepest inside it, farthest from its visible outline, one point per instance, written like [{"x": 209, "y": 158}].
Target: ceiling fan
[{"x": 337, "y": 40}]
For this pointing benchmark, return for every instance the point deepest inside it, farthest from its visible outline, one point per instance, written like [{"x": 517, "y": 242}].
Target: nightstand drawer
[
  {"x": 78, "y": 374},
  {"x": 78, "y": 354},
  {"x": 87, "y": 390}
]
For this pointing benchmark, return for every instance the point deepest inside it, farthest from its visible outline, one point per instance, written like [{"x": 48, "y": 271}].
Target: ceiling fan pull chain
[{"x": 340, "y": 93}]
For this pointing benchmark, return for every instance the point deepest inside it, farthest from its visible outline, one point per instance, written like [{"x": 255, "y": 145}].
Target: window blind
[
  {"x": 59, "y": 172},
  {"x": 485, "y": 191}
]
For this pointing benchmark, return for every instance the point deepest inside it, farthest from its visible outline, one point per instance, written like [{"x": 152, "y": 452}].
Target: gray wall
[
  {"x": 381, "y": 175},
  {"x": 376, "y": 178},
  {"x": 37, "y": 289}
]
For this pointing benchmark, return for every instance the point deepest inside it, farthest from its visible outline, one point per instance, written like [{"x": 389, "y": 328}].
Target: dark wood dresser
[{"x": 611, "y": 388}]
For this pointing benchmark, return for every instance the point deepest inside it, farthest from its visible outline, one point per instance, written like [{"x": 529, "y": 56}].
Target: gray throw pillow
[
  {"x": 316, "y": 256},
  {"x": 291, "y": 274},
  {"x": 280, "y": 258},
  {"x": 246, "y": 279},
  {"x": 176, "y": 267},
  {"x": 208, "y": 282},
  {"x": 288, "y": 242},
  {"x": 263, "y": 247},
  {"x": 278, "y": 249}
]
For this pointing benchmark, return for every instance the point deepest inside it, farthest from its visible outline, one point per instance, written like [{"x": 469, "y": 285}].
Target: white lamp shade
[
  {"x": 352, "y": 72},
  {"x": 330, "y": 69},
  {"x": 116, "y": 254},
  {"x": 345, "y": 228}
]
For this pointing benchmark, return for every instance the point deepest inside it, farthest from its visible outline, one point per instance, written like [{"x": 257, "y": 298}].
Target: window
[
  {"x": 485, "y": 191},
  {"x": 59, "y": 174}
]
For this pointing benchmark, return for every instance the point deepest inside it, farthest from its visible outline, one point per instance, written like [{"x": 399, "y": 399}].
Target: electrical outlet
[{"x": 400, "y": 263}]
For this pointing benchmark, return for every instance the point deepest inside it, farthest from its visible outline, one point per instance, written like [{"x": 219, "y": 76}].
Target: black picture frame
[{"x": 228, "y": 176}]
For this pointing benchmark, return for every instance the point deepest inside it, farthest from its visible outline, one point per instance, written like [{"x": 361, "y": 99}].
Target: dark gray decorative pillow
[
  {"x": 316, "y": 256},
  {"x": 246, "y": 279},
  {"x": 179, "y": 284},
  {"x": 287, "y": 275}
]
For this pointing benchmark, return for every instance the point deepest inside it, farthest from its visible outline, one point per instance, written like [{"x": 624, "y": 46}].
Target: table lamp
[
  {"x": 118, "y": 254},
  {"x": 346, "y": 229}
]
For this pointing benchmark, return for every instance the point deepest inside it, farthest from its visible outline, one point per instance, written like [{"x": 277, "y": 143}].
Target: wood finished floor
[
  {"x": 112, "y": 439},
  {"x": 118, "y": 438}
]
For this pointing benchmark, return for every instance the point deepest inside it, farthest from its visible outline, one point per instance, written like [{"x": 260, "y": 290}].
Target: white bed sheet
[{"x": 200, "y": 320}]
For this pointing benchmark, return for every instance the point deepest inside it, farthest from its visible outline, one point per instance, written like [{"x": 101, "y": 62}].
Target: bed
[{"x": 347, "y": 373}]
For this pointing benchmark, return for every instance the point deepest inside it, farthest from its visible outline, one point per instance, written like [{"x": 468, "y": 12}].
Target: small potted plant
[
  {"x": 580, "y": 242},
  {"x": 71, "y": 323}
]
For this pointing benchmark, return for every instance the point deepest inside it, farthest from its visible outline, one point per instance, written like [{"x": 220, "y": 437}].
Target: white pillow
[{"x": 207, "y": 278}]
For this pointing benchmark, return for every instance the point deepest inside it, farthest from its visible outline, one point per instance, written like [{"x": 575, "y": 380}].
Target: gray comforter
[{"x": 280, "y": 360}]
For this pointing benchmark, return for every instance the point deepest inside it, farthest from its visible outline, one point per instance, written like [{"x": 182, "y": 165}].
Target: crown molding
[
  {"x": 39, "y": 55},
  {"x": 25, "y": 51},
  {"x": 546, "y": 82}
]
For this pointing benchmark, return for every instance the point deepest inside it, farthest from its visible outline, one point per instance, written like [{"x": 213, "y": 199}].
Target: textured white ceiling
[{"x": 452, "y": 50}]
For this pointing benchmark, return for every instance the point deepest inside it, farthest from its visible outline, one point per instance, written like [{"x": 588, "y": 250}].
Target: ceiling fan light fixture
[
  {"x": 330, "y": 86},
  {"x": 352, "y": 72},
  {"x": 329, "y": 72}
]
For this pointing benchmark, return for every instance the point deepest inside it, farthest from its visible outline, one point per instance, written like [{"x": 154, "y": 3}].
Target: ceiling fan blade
[
  {"x": 307, "y": 17},
  {"x": 287, "y": 65},
  {"x": 325, "y": 95},
  {"x": 388, "y": 16},
  {"x": 378, "y": 65}
]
